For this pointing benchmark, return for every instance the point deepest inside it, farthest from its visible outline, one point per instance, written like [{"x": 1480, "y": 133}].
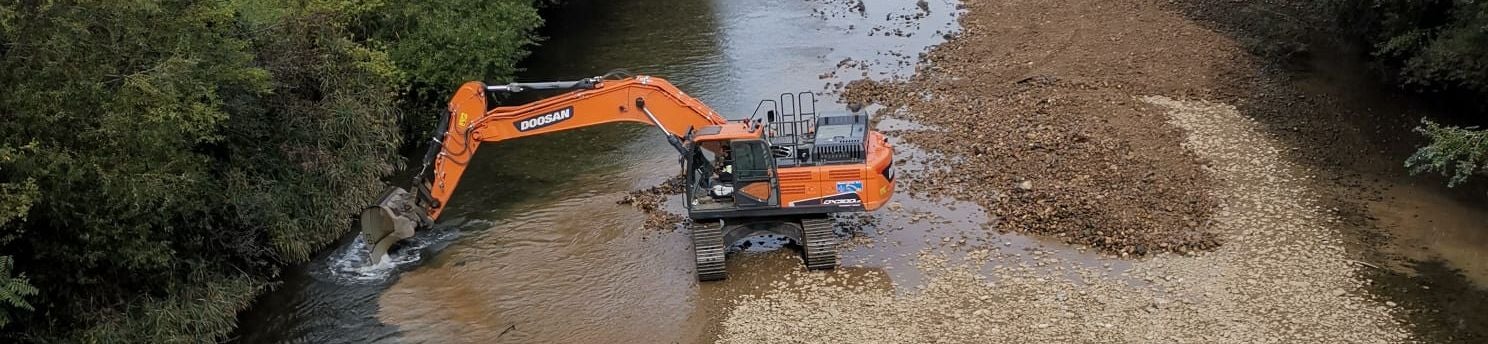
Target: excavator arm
[{"x": 469, "y": 122}]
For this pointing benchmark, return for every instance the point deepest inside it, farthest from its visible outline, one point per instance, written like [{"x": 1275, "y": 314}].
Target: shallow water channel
[{"x": 534, "y": 247}]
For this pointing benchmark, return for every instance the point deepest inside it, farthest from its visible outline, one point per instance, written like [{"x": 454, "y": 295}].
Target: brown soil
[{"x": 1039, "y": 99}]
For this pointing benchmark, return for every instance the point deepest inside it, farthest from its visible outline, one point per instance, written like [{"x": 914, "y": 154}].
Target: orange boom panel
[{"x": 603, "y": 101}]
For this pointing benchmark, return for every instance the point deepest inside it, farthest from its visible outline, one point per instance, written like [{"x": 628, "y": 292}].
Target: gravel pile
[
  {"x": 1282, "y": 277},
  {"x": 1035, "y": 101}
]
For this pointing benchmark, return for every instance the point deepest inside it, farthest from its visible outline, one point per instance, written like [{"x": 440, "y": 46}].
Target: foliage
[
  {"x": 1437, "y": 45},
  {"x": 1455, "y": 152},
  {"x": 441, "y": 44},
  {"x": 13, "y": 291},
  {"x": 15, "y": 201},
  {"x": 189, "y": 149}
]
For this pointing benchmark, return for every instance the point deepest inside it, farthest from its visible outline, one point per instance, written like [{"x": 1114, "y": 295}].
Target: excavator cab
[{"x": 728, "y": 174}]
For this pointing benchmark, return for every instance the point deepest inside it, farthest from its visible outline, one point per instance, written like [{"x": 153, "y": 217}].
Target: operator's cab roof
[{"x": 733, "y": 130}]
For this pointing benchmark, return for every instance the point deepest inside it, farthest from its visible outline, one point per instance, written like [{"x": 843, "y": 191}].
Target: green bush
[
  {"x": 1439, "y": 47},
  {"x": 160, "y": 161},
  {"x": 440, "y": 44},
  {"x": 15, "y": 202},
  {"x": 1457, "y": 153}
]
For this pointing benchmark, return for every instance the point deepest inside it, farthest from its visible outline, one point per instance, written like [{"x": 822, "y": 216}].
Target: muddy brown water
[
  {"x": 1429, "y": 241},
  {"x": 534, "y": 247}
]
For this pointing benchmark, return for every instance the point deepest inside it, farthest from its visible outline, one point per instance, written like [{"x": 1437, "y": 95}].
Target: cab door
[{"x": 755, "y": 184}]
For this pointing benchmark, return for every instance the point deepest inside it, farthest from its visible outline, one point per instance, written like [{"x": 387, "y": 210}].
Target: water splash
[{"x": 351, "y": 264}]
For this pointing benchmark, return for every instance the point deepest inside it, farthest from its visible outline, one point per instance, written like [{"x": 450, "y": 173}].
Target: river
[{"x": 534, "y": 247}]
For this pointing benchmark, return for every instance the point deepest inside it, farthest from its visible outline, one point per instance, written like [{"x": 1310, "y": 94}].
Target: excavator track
[
  {"x": 707, "y": 245},
  {"x": 820, "y": 247}
]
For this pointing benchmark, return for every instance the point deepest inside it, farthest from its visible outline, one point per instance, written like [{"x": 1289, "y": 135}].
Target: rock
[
  {"x": 1025, "y": 185},
  {"x": 1161, "y": 302}
]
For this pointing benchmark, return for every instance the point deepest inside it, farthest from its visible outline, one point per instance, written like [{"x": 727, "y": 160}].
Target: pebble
[{"x": 1245, "y": 298}]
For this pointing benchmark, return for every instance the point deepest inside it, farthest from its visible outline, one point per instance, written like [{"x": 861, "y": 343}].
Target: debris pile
[{"x": 650, "y": 201}]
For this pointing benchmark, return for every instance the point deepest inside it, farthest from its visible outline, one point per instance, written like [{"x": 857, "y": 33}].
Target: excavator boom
[
  {"x": 783, "y": 174},
  {"x": 469, "y": 121}
]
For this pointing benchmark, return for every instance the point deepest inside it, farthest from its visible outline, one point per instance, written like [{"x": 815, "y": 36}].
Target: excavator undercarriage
[
  {"x": 783, "y": 174},
  {"x": 711, "y": 240}
]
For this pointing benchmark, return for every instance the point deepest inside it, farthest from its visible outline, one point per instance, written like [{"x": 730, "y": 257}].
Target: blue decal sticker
[{"x": 852, "y": 186}]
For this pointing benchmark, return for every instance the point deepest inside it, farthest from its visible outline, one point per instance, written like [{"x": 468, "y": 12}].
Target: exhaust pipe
[{"x": 394, "y": 217}]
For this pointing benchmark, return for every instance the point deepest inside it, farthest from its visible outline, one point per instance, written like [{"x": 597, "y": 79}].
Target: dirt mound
[
  {"x": 1050, "y": 137},
  {"x": 650, "y": 200}
]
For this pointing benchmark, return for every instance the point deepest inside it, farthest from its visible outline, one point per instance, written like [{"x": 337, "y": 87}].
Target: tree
[{"x": 190, "y": 149}]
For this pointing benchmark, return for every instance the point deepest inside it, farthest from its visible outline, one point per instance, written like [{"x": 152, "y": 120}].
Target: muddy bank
[
  {"x": 1036, "y": 105},
  {"x": 1284, "y": 275},
  {"x": 1334, "y": 111},
  {"x": 1036, "y": 100}
]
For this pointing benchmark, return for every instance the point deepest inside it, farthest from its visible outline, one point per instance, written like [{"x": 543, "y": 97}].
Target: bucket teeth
[{"x": 707, "y": 245}]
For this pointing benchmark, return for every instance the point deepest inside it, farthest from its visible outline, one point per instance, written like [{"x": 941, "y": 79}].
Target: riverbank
[
  {"x": 236, "y": 140},
  {"x": 1034, "y": 100}
]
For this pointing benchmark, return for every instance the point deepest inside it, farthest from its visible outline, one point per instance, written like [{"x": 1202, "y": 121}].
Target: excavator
[{"x": 783, "y": 174}]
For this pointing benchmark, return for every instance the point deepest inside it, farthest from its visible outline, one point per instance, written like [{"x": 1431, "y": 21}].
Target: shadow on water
[{"x": 1442, "y": 304}]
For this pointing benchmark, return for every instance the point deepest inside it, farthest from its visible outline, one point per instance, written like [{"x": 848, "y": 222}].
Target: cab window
[{"x": 749, "y": 160}]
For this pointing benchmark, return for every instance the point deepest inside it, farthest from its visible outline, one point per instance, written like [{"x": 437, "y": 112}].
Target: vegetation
[
  {"x": 160, "y": 161},
  {"x": 1438, "y": 47},
  {"x": 1435, "y": 48},
  {"x": 1455, "y": 152}
]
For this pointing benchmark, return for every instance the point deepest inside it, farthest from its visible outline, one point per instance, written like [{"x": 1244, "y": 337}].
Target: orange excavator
[{"x": 782, "y": 174}]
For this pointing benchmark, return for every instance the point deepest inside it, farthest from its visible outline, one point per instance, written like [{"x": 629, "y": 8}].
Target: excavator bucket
[
  {"x": 399, "y": 212},
  {"x": 392, "y": 219}
]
